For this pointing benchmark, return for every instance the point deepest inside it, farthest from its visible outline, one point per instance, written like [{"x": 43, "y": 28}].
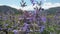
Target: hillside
[
  {"x": 7, "y": 9},
  {"x": 53, "y": 10}
]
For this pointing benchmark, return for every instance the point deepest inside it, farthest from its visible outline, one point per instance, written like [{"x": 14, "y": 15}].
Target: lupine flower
[
  {"x": 5, "y": 18},
  {"x": 28, "y": 30},
  {"x": 15, "y": 31},
  {"x": 25, "y": 26},
  {"x": 0, "y": 16},
  {"x": 32, "y": 1},
  {"x": 10, "y": 29},
  {"x": 38, "y": 23},
  {"x": 43, "y": 19},
  {"x": 6, "y": 24},
  {"x": 42, "y": 28},
  {"x": 0, "y": 28}
]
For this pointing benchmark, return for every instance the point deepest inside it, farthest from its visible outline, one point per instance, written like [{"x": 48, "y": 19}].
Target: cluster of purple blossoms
[
  {"x": 15, "y": 31},
  {"x": 6, "y": 24},
  {"x": 42, "y": 28},
  {"x": 26, "y": 28},
  {"x": 43, "y": 19}
]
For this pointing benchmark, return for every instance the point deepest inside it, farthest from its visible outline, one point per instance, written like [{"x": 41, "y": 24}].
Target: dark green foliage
[{"x": 45, "y": 32}]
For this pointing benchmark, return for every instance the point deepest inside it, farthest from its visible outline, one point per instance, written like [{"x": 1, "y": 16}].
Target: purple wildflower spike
[{"x": 32, "y": 1}]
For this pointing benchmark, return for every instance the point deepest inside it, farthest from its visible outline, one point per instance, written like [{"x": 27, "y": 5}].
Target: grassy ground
[{"x": 50, "y": 28}]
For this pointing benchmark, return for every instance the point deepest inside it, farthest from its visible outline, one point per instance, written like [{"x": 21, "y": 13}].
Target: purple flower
[
  {"x": 9, "y": 29},
  {"x": 32, "y": 1},
  {"x": 26, "y": 27},
  {"x": 5, "y": 24},
  {"x": 43, "y": 19},
  {"x": 42, "y": 28},
  {"x": 0, "y": 28},
  {"x": 15, "y": 31},
  {"x": 0, "y": 16},
  {"x": 5, "y": 18}
]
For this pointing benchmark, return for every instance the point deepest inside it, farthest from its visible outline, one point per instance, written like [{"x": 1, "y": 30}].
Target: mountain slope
[
  {"x": 7, "y": 9},
  {"x": 53, "y": 10}
]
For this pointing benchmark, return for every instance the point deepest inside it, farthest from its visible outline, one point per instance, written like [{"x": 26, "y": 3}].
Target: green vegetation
[{"x": 50, "y": 26}]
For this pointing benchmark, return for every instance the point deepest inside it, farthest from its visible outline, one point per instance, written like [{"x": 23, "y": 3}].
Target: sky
[{"x": 16, "y": 3}]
